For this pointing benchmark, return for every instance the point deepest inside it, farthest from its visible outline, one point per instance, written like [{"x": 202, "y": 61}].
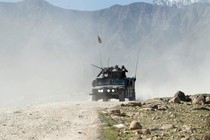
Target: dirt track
[{"x": 73, "y": 120}]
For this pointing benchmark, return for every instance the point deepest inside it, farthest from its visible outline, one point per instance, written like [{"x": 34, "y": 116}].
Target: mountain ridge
[{"x": 179, "y": 3}]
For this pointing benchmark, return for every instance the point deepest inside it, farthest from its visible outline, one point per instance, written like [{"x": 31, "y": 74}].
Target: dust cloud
[
  {"x": 182, "y": 66},
  {"x": 39, "y": 65},
  {"x": 48, "y": 70}
]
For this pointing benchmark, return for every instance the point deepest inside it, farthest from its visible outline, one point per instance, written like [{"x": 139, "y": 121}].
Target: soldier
[
  {"x": 105, "y": 72},
  {"x": 109, "y": 71},
  {"x": 116, "y": 68},
  {"x": 124, "y": 70}
]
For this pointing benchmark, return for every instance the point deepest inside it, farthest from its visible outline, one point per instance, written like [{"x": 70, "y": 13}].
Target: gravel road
[{"x": 70, "y": 120}]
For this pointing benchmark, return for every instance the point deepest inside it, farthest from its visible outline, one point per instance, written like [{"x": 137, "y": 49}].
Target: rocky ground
[
  {"x": 178, "y": 118},
  {"x": 66, "y": 121}
]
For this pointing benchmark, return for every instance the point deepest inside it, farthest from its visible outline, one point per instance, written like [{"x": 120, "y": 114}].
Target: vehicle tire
[
  {"x": 133, "y": 98},
  {"x": 122, "y": 96},
  {"x": 94, "y": 98}
]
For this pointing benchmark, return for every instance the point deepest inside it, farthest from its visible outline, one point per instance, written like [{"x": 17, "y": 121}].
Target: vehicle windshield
[{"x": 102, "y": 82}]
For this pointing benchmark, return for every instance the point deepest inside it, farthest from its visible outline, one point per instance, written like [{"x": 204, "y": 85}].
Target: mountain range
[
  {"x": 46, "y": 51},
  {"x": 179, "y": 3}
]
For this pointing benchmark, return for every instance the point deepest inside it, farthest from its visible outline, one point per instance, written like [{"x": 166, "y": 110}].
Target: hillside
[{"x": 159, "y": 119}]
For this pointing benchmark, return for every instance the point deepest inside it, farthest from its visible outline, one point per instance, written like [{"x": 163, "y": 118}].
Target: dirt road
[{"x": 72, "y": 121}]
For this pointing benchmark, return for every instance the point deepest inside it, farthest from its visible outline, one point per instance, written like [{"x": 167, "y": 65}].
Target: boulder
[
  {"x": 116, "y": 112},
  {"x": 174, "y": 100},
  {"x": 199, "y": 100},
  {"x": 120, "y": 126},
  {"x": 187, "y": 98},
  {"x": 208, "y": 100},
  {"x": 135, "y": 125},
  {"x": 180, "y": 95},
  {"x": 134, "y": 104},
  {"x": 167, "y": 126},
  {"x": 206, "y": 137}
]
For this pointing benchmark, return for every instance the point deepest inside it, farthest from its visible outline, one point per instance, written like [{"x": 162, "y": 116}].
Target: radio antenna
[{"x": 137, "y": 62}]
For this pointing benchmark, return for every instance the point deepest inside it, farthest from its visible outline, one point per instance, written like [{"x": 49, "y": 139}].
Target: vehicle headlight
[
  {"x": 99, "y": 90},
  {"x": 113, "y": 90},
  {"x": 108, "y": 90},
  {"x": 102, "y": 90}
]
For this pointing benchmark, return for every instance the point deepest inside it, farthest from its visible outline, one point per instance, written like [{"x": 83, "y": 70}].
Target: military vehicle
[{"x": 112, "y": 82}]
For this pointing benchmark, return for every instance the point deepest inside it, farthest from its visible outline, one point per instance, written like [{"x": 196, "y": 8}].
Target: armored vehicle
[{"x": 112, "y": 82}]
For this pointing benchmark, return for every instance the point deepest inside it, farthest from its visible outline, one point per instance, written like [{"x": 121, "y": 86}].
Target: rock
[
  {"x": 131, "y": 114},
  {"x": 188, "y": 129},
  {"x": 134, "y": 104},
  {"x": 135, "y": 125},
  {"x": 145, "y": 132},
  {"x": 185, "y": 138},
  {"x": 187, "y": 98},
  {"x": 174, "y": 100},
  {"x": 194, "y": 100},
  {"x": 163, "y": 108},
  {"x": 206, "y": 137},
  {"x": 155, "y": 138},
  {"x": 137, "y": 137},
  {"x": 207, "y": 100},
  {"x": 122, "y": 105},
  {"x": 147, "y": 109},
  {"x": 167, "y": 126},
  {"x": 180, "y": 95},
  {"x": 116, "y": 112},
  {"x": 155, "y": 129},
  {"x": 154, "y": 106},
  {"x": 201, "y": 99},
  {"x": 120, "y": 126},
  {"x": 198, "y": 100},
  {"x": 194, "y": 138}
]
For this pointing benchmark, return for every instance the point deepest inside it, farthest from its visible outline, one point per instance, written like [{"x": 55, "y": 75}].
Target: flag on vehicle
[{"x": 99, "y": 39}]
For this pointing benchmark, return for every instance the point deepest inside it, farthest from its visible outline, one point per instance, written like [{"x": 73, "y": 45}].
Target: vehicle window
[
  {"x": 102, "y": 82},
  {"x": 118, "y": 82}
]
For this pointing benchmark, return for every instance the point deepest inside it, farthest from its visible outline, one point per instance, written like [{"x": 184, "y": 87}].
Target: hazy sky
[{"x": 87, "y": 4}]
